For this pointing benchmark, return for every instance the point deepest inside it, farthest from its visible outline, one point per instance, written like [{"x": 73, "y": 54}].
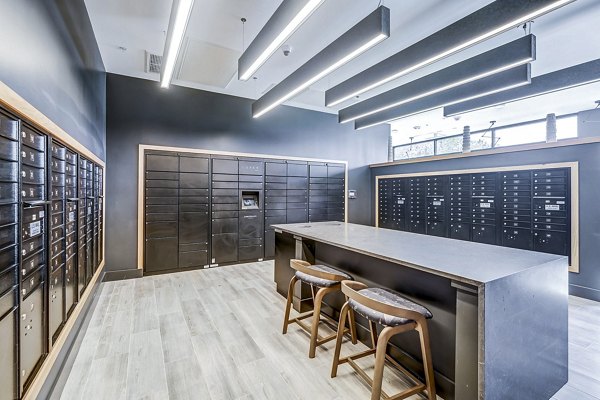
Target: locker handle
[
  {"x": 250, "y": 216},
  {"x": 34, "y": 203},
  {"x": 74, "y": 198}
]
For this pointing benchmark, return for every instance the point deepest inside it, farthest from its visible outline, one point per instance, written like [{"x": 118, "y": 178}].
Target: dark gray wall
[
  {"x": 140, "y": 112},
  {"x": 587, "y": 282},
  {"x": 50, "y": 57}
]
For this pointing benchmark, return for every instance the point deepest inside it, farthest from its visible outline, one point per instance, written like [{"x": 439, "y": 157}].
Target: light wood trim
[
  {"x": 573, "y": 165},
  {"x": 141, "y": 168},
  {"x": 41, "y": 376},
  {"x": 16, "y": 104},
  {"x": 497, "y": 150}
]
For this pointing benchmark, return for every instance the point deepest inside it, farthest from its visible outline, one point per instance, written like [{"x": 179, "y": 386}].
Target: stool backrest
[
  {"x": 305, "y": 267},
  {"x": 351, "y": 288}
]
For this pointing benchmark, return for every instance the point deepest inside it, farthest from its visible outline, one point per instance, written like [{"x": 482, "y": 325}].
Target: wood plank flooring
[{"x": 216, "y": 335}]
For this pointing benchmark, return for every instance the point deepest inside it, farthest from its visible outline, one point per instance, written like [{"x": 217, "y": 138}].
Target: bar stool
[
  {"x": 397, "y": 314},
  {"x": 328, "y": 280}
]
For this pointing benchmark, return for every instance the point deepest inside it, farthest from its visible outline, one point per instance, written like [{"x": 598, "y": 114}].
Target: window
[{"x": 414, "y": 150}]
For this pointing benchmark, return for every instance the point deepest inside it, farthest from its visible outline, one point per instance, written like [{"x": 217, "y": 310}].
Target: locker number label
[
  {"x": 552, "y": 207},
  {"x": 35, "y": 228},
  {"x": 485, "y": 205}
]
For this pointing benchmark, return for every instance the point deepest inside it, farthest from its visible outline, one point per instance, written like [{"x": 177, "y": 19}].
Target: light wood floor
[{"x": 216, "y": 334}]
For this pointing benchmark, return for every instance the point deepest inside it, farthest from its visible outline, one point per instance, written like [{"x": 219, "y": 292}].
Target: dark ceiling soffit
[
  {"x": 378, "y": 22},
  {"x": 277, "y": 23},
  {"x": 496, "y": 14},
  {"x": 520, "y": 75},
  {"x": 577, "y": 75},
  {"x": 519, "y": 51}
]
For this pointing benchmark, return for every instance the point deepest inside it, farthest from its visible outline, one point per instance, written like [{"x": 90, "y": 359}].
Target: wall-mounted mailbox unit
[
  {"x": 525, "y": 208},
  {"x": 50, "y": 245}
]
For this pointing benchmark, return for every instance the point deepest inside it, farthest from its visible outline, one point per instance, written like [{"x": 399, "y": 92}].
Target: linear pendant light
[
  {"x": 282, "y": 24},
  {"x": 505, "y": 80},
  {"x": 510, "y": 55},
  {"x": 180, "y": 15},
  {"x": 578, "y": 75},
  {"x": 489, "y": 21},
  {"x": 367, "y": 33}
]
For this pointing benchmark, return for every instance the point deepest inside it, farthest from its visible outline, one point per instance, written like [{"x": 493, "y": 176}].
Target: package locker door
[
  {"x": 297, "y": 191},
  {"x": 485, "y": 208},
  {"x": 417, "y": 204},
  {"x": 89, "y": 220},
  {"x": 336, "y": 192},
  {"x": 9, "y": 243},
  {"x": 459, "y": 188},
  {"x": 317, "y": 193},
  {"x": 56, "y": 303},
  {"x": 225, "y": 210},
  {"x": 516, "y": 209},
  {"x": 551, "y": 208},
  {"x": 161, "y": 203},
  {"x": 251, "y": 229},
  {"x": 437, "y": 218},
  {"x": 34, "y": 255},
  {"x": 81, "y": 224},
  {"x": 194, "y": 219},
  {"x": 71, "y": 241},
  {"x": 275, "y": 201}
]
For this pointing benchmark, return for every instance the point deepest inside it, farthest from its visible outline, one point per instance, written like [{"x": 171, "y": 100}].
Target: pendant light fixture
[
  {"x": 578, "y": 75},
  {"x": 180, "y": 15},
  {"x": 282, "y": 24},
  {"x": 505, "y": 80},
  {"x": 364, "y": 35},
  {"x": 502, "y": 58},
  {"x": 489, "y": 21}
]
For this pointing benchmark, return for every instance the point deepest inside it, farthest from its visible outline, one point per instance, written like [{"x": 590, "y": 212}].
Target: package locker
[
  {"x": 336, "y": 192},
  {"x": 9, "y": 243},
  {"x": 194, "y": 219},
  {"x": 71, "y": 242},
  {"x": 275, "y": 201},
  {"x": 81, "y": 224},
  {"x": 459, "y": 188},
  {"x": 225, "y": 210},
  {"x": 551, "y": 220},
  {"x": 318, "y": 192},
  {"x": 484, "y": 208},
  {"x": 56, "y": 292},
  {"x": 516, "y": 209},
  {"x": 417, "y": 204},
  {"x": 161, "y": 202},
  {"x": 251, "y": 215},
  {"x": 437, "y": 223},
  {"x": 34, "y": 254},
  {"x": 297, "y": 191},
  {"x": 89, "y": 220}
]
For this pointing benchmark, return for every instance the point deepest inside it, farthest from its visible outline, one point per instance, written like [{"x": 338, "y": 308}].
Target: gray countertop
[{"x": 467, "y": 262}]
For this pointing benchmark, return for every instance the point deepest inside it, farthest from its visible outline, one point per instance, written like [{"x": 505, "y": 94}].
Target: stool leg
[
  {"x": 426, "y": 353},
  {"x": 373, "y": 329},
  {"x": 288, "y": 304},
  {"x": 314, "y": 332},
  {"x": 338, "y": 342},
  {"x": 352, "y": 323},
  {"x": 382, "y": 342}
]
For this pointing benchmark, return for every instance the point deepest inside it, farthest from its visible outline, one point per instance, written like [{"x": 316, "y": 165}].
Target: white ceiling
[{"x": 125, "y": 29}]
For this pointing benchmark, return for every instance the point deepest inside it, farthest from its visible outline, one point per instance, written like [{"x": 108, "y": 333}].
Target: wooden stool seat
[
  {"x": 328, "y": 280},
  {"x": 397, "y": 314}
]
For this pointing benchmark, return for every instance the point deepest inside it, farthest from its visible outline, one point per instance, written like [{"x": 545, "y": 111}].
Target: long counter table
[{"x": 500, "y": 315}]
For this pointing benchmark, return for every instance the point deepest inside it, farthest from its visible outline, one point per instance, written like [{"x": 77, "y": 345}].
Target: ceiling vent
[{"x": 153, "y": 63}]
